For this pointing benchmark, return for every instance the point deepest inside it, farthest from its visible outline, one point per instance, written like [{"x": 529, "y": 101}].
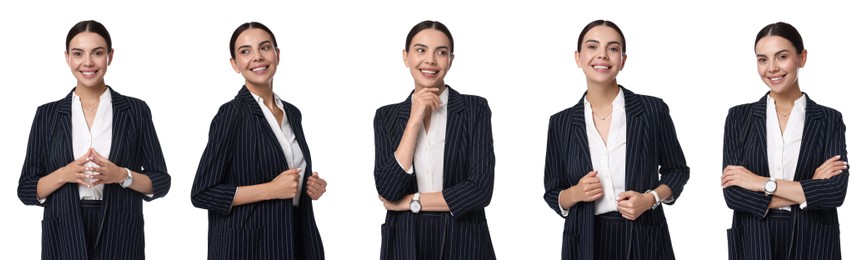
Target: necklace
[
  {"x": 601, "y": 118},
  {"x": 90, "y": 109},
  {"x": 782, "y": 114}
]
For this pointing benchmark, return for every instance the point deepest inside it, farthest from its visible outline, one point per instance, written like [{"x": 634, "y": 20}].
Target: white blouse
[
  {"x": 99, "y": 136},
  {"x": 783, "y": 149},
  {"x": 286, "y": 138}
]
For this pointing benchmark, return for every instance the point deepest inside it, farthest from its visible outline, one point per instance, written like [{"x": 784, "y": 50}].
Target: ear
[
  {"x": 451, "y": 59},
  {"x": 277, "y": 53},
  {"x": 234, "y": 66},
  {"x": 66, "y": 56},
  {"x": 623, "y": 61},
  {"x": 110, "y": 57},
  {"x": 578, "y": 59},
  {"x": 804, "y": 57},
  {"x": 406, "y": 61}
]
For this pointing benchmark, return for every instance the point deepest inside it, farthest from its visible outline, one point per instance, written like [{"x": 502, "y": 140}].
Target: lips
[
  {"x": 260, "y": 69},
  {"x": 777, "y": 79},
  {"x": 88, "y": 73},
  {"x": 429, "y": 73},
  {"x": 601, "y": 67}
]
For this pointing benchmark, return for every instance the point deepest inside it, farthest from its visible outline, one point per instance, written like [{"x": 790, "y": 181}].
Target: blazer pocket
[
  {"x": 734, "y": 240},
  {"x": 387, "y": 241},
  {"x": 236, "y": 244},
  {"x": 654, "y": 241},
  {"x": 481, "y": 248},
  {"x": 571, "y": 248},
  {"x": 50, "y": 238}
]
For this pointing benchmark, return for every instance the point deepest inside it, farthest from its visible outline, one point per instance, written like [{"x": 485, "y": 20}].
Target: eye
[
  {"x": 98, "y": 53},
  {"x": 76, "y": 53},
  {"x": 782, "y": 57},
  {"x": 761, "y": 60},
  {"x": 614, "y": 49},
  {"x": 420, "y": 50},
  {"x": 266, "y": 47},
  {"x": 442, "y": 53},
  {"x": 244, "y": 52},
  {"x": 592, "y": 47}
]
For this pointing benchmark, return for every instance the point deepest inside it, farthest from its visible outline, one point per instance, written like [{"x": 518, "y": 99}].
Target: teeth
[
  {"x": 778, "y": 78},
  {"x": 429, "y": 71},
  {"x": 601, "y": 67},
  {"x": 88, "y": 72},
  {"x": 258, "y": 69}
]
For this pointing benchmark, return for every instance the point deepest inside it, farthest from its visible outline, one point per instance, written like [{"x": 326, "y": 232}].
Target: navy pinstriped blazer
[
  {"x": 651, "y": 143},
  {"x": 816, "y": 232},
  {"x": 468, "y": 178},
  {"x": 134, "y": 145},
  {"x": 242, "y": 150}
]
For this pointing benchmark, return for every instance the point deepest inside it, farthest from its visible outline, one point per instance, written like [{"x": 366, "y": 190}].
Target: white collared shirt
[
  {"x": 99, "y": 136},
  {"x": 286, "y": 138},
  {"x": 430, "y": 150},
  {"x": 783, "y": 149}
]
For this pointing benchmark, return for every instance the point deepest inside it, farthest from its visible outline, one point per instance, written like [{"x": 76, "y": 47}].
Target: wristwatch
[
  {"x": 129, "y": 180},
  {"x": 771, "y": 186},
  {"x": 656, "y": 199},
  {"x": 415, "y": 206}
]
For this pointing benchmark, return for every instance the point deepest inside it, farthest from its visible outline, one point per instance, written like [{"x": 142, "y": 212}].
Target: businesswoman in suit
[
  {"x": 785, "y": 165},
  {"x": 255, "y": 175},
  {"x": 434, "y": 166},
  {"x": 92, "y": 158},
  {"x": 612, "y": 159}
]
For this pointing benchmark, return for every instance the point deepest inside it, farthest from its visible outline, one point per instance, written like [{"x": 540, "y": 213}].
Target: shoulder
[
  {"x": 389, "y": 110},
  {"x": 828, "y": 112},
  {"x": 742, "y": 109}
]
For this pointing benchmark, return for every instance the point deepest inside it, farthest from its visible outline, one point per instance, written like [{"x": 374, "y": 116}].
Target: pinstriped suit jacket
[
  {"x": 242, "y": 150},
  {"x": 816, "y": 235},
  {"x": 468, "y": 178},
  {"x": 651, "y": 143},
  {"x": 134, "y": 145}
]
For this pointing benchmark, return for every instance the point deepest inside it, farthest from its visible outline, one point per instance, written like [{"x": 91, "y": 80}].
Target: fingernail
[
  {"x": 845, "y": 166},
  {"x": 837, "y": 156},
  {"x": 845, "y": 163}
]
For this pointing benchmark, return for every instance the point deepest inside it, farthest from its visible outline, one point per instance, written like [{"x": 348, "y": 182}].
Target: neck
[
  {"x": 263, "y": 91},
  {"x": 786, "y": 98},
  {"x": 90, "y": 93},
  {"x": 600, "y": 94}
]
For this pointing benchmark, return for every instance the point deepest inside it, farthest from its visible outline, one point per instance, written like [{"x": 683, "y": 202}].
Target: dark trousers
[
  {"x": 781, "y": 232},
  {"x": 431, "y": 230},
  {"x": 90, "y": 213},
  {"x": 610, "y": 236}
]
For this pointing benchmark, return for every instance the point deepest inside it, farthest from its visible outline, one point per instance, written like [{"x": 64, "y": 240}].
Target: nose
[
  {"x": 257, "y": 55},
  {"x": 603, "y": 55},
  {"x": 429, "y": 58},
  {"x": 773, "y": 66},
  {"x": 88, "y": 60}
]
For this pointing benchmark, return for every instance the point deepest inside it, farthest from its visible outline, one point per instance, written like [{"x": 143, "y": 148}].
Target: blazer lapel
[
  {"x": 63, "y": 141},
  {"x": 294, "y": 120},
  {"x": 118, "y": 153},
  {"x": 579, "y": 140},
  {"x": 810, "y": 139},
  {"x": 262, "y": 124},
  {"x": 456, "y": 124},
  {"x": 636, "y": 138},
  {"x": 760, "y": 134}
]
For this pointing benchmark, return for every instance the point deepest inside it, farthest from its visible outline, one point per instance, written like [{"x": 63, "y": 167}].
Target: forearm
[
  {"x": 778, "y": 202},
  {"x": 790, "y": 190},
  {"x": 253, "y": 194},
  {"x": 407, "y": 147},
  {"x": 433, "y": 201},
  {"x": 664, "y": 192},
  {"x": 142, "y": 183},
  {"x": 565, "y": 199},
  {"x": 47, "y": 185}
]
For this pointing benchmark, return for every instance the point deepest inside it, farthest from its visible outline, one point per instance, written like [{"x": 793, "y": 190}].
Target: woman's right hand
[
  {"x": 74, "y": 172},
  {"x": 424, "y": 101},
  {"x": 285, "y": 185},
  {"x": 588, "y": 189},
  {"x": 830, "y": 168}
]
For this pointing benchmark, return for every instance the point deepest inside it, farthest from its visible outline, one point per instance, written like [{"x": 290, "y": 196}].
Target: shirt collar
[{"x": 261, "y": 101}]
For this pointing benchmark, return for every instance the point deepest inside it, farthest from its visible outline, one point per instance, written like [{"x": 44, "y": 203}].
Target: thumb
[
  {"x": 626, "y": 195},
  {"x": 592, "y": 174}
]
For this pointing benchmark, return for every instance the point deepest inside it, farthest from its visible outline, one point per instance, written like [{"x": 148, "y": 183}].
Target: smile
[{"x": 429, "y": 73}]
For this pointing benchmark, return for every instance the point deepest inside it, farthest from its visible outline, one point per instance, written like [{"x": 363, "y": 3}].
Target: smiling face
[
  {"x": 601, "y": 56},
  {"x": 778, "y": 64},
  {"x": 429, "y": 58},
  {"x": 256, "y": 58},
  {"x": 88, "y": 58}
]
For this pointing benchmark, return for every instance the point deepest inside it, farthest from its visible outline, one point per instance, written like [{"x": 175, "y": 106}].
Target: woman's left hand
[
  {"x": 400, "y": 205},
  {"x": 632, "y": 204},
  {"x": 316, "y": 186},
  {"x": 742, "y": 177},
  {"x": 108, "y": 171}
]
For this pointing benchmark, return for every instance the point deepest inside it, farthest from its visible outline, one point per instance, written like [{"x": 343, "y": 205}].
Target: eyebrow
[
  {"x": 426, "y": 46},
  {"x": 595, "y": 41},
  {"x": 776, "y": 53},
  {"x": 248, "y": 46},
  {"x": 94, "y": 49}
]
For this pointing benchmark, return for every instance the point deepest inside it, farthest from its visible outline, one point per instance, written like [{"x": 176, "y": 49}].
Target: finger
[
  {"x": 83, "y": 182},
  {"x": 591, "y": 174}
]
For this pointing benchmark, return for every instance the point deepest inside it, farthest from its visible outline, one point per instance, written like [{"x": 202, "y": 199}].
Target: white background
[{"x": 341, "y": 61}]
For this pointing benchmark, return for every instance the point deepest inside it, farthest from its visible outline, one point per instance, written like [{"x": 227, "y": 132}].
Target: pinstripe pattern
[
  {"x": 242, "y": 150},
  {"x": 468, "y": 179},
  {"x": 651, "y": 143},
  {"x": 816, "y": 233},
  {"x": 134, "y": 145}
]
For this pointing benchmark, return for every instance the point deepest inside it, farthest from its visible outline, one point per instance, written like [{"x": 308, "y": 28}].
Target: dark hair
[
  {"x": 428, "y": 24},
  {"x": 244, "y": 27},
  {"x": 609, "y": 24},
  {"x": 89, "y": 26},
  {"x": 784, "y": 30}
]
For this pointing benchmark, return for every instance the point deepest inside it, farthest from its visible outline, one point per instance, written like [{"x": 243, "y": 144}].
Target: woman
[
  {"x": 785, "y": 161},
  {"x": 255, "y": 176},
  {"x": 92, "y": 158},
  {"x": 434, "y": 160},
  {"x": 612, "y": 159}
]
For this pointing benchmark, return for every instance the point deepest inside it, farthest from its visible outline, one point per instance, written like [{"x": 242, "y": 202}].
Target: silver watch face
[
  {"x": 771, "y": 186},
  {"x": 415, "y": 206}
]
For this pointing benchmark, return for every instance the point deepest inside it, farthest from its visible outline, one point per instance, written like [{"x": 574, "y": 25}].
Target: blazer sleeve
[
  {"x": 738, "y": 198},
  {"x": 153, "y": 163},
  {"x": 830, "y": 193},
  {"x": 391, "y": 180},
  {"x": 673, "y": 167},
  {"x": 555, "y": 180},
  {"x": 34, "y": 166},
  {"x": 475, "y": 192},
  {"x": 209, "y": 190}
]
